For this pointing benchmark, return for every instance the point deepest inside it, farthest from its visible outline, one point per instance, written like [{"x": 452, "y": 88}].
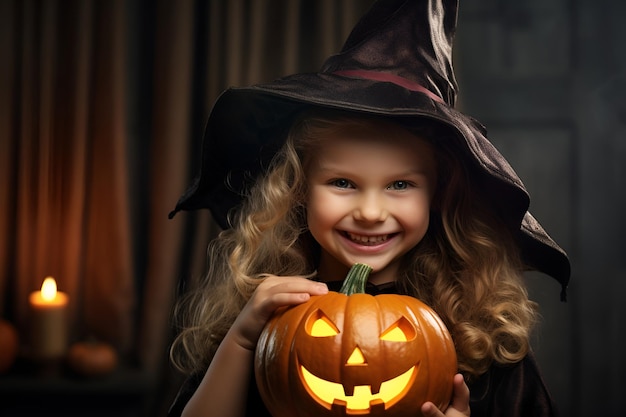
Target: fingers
[
  {"x": 460, "y": 396},
  {"x": 430, "y": 410},
  {"x": 272, "y": 293},
  {"x": 459, "y": 407},
  {"x": 276, "y": 292}
]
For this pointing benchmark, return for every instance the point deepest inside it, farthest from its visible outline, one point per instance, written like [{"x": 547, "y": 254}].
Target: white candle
[{"x": 48, "y": 324}]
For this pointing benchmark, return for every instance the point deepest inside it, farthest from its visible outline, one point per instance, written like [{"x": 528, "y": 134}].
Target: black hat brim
[{"x": 248, "y": 124}]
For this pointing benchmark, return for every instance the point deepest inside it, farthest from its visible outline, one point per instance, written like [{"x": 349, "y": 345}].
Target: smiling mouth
[
  {"x": 367, "y": 240},
  {"x": 332, "y": 394}
]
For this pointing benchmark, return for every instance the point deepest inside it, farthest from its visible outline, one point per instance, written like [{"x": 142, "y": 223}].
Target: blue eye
[{"x": 341, "y": 183}]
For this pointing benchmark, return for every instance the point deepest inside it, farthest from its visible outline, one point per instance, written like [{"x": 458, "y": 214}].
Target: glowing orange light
[
  {"x": 48, "y": 321},
  {"x": 329, "y": 392},
  {"x": 356, "y": 358},
  {"x": 49, "y": 289},
  {"x": 323, "y": 327},
  {"x": 394, "y": 334}
]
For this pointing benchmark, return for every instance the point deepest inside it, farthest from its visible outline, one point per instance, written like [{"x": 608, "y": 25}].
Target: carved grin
[{"x": 331, "y": 393}]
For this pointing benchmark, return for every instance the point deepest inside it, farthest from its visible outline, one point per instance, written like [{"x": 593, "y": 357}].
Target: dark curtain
[{"x": 102, "y": 108}]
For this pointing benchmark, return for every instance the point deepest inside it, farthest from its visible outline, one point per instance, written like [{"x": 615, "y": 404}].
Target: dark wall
[{"x": 548, "y": 78}]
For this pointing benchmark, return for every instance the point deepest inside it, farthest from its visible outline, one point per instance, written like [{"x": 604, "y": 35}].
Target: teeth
[
  {"x": 377, "y": 406},
  {"x": 367, "y": 240}
]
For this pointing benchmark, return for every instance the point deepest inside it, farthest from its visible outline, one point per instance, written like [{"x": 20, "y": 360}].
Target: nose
[
  {"x": 356, "y": 357},
  {"x": 370, "y": 208}
]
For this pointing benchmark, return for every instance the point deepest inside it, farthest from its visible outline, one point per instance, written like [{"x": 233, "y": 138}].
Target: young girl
[{"x": 314, "y": 172}]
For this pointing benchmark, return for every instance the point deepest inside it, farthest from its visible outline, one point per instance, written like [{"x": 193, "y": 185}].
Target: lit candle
[{"x": 48, "y": 325}]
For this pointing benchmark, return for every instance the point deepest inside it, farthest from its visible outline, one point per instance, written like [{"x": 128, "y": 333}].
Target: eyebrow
[{"x": 341, "y": 172}]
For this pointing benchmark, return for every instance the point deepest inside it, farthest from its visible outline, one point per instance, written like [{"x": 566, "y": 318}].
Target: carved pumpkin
[{"x": 351, "y": 353}]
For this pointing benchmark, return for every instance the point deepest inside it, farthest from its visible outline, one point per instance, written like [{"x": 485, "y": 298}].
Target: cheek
[
  {"x": 414, "y": 218},
  {"x": 322, "y": 211},
  {"x": 318, "y": 223}
]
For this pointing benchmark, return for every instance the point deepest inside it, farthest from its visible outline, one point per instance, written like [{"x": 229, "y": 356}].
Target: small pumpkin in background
[
  {"x": 92, "y": 358},
  {"x": 9, "y": 345},
  {"x": 350, "y": 353}
]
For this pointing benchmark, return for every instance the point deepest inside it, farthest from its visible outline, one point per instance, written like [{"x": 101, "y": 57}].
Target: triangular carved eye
[
  {"x": 319, "y": 325},
  {"x": 400, "y": 331}
]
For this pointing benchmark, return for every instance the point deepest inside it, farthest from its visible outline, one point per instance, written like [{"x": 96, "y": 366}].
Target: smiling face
[{"x": 370, "y": 188}]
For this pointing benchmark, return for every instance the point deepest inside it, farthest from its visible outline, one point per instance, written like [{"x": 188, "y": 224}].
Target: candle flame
[{"x": 49, "y": 289}]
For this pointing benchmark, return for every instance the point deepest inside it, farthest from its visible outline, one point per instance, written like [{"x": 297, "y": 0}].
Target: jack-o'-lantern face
[
  {"x": 363, "y": 377},
  {"x": 355, "y": 355}
]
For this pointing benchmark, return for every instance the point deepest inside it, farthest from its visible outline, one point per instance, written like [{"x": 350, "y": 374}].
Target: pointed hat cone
[{"x": 404, "y": 42}]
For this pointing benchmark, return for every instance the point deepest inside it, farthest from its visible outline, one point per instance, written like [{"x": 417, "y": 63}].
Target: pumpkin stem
[{"x": 355, "y": 281}]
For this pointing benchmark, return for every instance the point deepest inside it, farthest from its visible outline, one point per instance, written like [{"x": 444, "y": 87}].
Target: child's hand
[
  {"x": 272, "y": 293},
  {"x": 459, "y": 407}
]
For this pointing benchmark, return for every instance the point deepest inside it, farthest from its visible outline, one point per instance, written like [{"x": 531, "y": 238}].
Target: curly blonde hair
[{"x": 467, "y": 267}]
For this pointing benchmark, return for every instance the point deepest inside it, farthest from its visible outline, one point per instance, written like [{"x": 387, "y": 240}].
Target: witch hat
[{"x": 397, "y": 63}]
